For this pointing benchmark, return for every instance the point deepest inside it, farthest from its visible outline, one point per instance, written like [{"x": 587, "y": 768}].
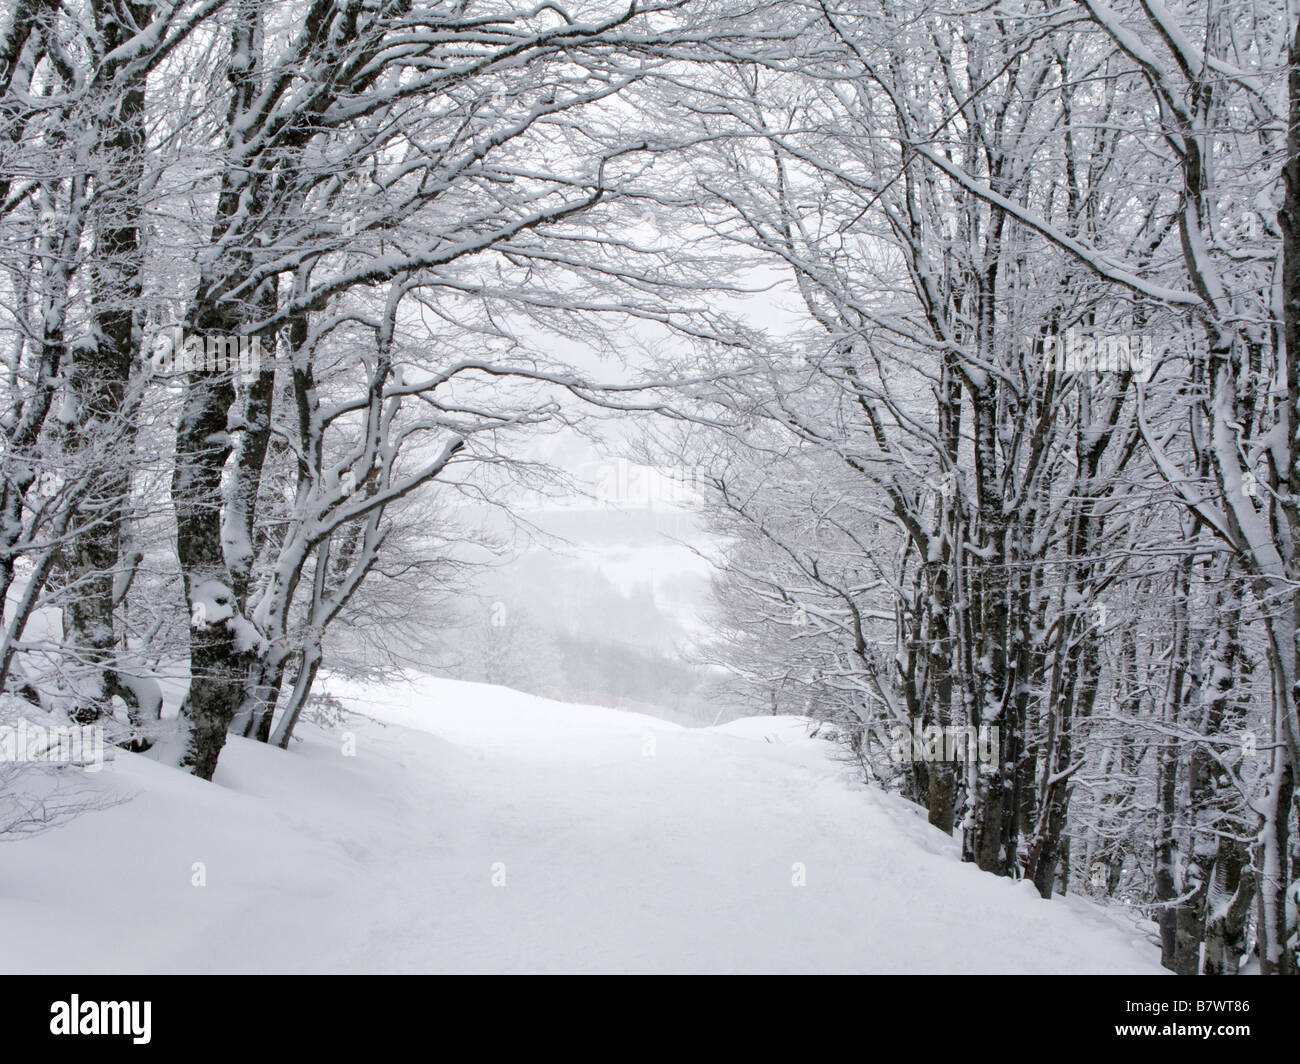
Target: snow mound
[
  {"x": 771, "y": 729},
  {"x": 459, "y": 827}
]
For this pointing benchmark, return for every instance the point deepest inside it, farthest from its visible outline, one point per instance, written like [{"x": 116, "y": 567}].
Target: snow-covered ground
[{"x": 477, "y": 829}]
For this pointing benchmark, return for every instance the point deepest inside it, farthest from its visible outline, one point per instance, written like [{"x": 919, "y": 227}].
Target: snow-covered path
[{"x": 477, "y": 829}]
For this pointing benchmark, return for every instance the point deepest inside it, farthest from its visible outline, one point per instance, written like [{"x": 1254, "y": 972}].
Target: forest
[{"x": 971, "y": 325}]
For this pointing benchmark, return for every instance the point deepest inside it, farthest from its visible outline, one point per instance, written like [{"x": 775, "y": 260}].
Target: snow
[
  {"x": 148, "y": 693},
  {"x": 621, "y": 843},
  {"x": 211, "y": 602},
  {"x": 247, "y": 637}
]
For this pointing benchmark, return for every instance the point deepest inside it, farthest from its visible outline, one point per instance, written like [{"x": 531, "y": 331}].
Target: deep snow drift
[{"x": 461, "y": 827}]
